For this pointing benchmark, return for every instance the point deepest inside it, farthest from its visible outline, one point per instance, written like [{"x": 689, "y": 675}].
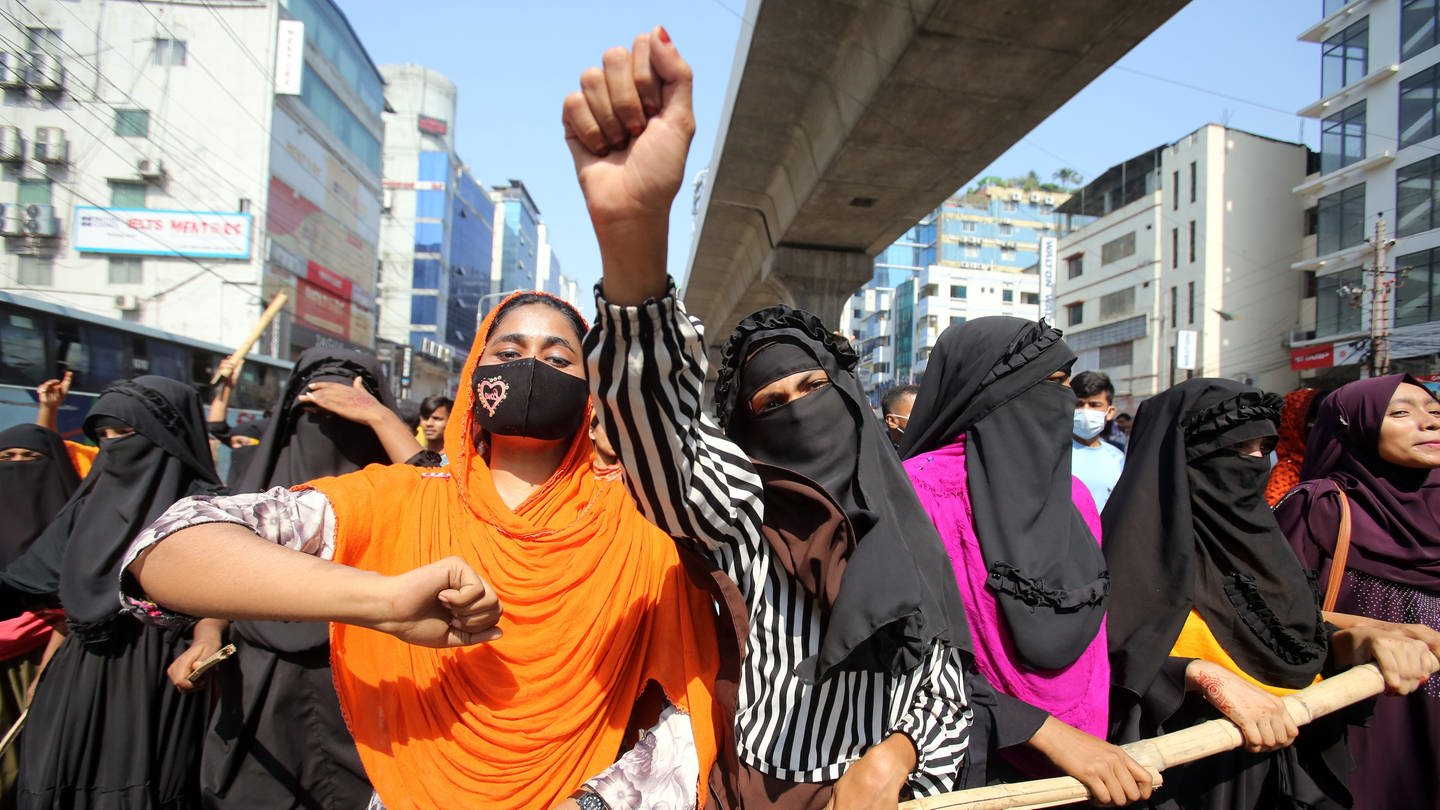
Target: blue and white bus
[{"x": 41, "y": 341}]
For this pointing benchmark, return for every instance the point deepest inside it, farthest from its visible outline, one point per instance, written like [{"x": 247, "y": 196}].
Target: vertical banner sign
[
  {"x": 1187, "y": 348},
  {"x": 289, "y": 57},
  {"x": 1049, "y": 247}
]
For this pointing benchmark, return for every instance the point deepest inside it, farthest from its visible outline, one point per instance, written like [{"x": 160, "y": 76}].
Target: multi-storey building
[
  {"x": 438, "y": 226},
  {"x": 176, "y": 164},
  {"x": 1379, "y": 120},
  {"x": 978, "y": 241},
  {"x": 1183, "y": 265}
]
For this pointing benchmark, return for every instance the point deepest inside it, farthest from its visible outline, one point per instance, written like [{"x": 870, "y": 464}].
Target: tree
[{"x": 1069, "y": 178}]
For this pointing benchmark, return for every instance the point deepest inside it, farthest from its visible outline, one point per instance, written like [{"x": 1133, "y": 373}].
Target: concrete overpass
[{"x": 849, "y": 120}]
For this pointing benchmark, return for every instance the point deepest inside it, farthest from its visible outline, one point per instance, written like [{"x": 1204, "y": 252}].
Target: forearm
[
  {"x": 633, "y": 258},
  {"x": 223, "y": 570},
  {"x": 211, "y": 630},
  {"x": 399, "y": 443},
  {"x": 48, "y": 416}
]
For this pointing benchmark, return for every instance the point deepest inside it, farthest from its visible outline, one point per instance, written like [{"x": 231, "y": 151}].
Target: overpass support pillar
[{"x": 818, "y": 281}]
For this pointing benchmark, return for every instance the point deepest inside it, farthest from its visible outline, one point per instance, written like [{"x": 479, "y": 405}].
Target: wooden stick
[
  {"x": 1166, "y": 751},
  {"x": 14, "y": 730},
  {"x": 264, "y": 323}
]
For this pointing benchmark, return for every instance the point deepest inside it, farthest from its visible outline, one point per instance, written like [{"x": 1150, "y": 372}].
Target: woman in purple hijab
[{"x": 1377, "y": 441}]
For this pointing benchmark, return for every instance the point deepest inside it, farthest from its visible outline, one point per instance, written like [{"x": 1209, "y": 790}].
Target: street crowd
[{"x": 589, "y": 582}]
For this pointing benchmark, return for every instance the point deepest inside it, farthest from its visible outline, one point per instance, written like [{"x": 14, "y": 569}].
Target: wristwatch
[{"x": 590, "y": 800}]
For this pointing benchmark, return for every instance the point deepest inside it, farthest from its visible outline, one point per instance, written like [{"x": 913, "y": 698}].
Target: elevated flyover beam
[{"x": 849, "y": 120}]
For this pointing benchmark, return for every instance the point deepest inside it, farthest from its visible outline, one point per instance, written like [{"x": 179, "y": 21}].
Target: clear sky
[{"x": 1235, "y": 62}]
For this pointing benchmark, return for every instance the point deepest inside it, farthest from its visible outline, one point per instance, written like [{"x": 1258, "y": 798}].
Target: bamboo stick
[
  {"x": 260, "y": 326},
  {"x": 14, "y": 731},
  {"x": 1166, "y": 751}
]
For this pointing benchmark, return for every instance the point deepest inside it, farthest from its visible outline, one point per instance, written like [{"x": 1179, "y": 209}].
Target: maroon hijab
[{"x": 1396, "y": 510}]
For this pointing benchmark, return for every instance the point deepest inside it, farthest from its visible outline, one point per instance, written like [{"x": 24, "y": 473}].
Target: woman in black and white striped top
[{"x": 852, "y": 695}]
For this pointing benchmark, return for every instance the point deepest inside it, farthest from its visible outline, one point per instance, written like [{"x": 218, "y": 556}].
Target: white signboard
[
  {"x": 150, "y": 232},
  {"x": 1187, "y": 349},
  {"x": 1049, "y": 246},
  {"x": 289, "y": 57}
]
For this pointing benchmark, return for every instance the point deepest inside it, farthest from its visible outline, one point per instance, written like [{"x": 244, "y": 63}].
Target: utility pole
[{"x": 1379, "y": 279}]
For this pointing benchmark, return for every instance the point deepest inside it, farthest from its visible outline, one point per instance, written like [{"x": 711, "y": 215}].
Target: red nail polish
[
  {"x": 636, "y": 129},
  {"x": 663, "y": 34}
]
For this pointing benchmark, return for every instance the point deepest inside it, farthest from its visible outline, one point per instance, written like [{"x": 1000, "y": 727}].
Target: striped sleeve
[
  {"x": 931, "y": 709},
  {"x": 647, "y": 369}
]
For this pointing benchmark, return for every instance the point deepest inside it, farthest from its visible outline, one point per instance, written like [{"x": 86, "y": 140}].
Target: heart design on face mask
[{"x": 490, "y": 393}]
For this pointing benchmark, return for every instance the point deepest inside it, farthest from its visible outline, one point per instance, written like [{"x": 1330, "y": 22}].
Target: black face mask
[{"x": 529, "y": 398}]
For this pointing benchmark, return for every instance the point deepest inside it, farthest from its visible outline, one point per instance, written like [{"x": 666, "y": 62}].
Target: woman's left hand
[{"x": 875, "y": 780}]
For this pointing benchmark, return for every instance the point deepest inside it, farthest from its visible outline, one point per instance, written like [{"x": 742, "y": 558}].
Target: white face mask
[
  {"x": 898, "y": 417},
  {"x": 1088, "y": 423}
]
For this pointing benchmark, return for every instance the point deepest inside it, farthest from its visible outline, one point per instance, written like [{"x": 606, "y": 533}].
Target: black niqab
[
  {"x": 1187, "y": 527},
  {"x": 896, "y": 595},
  {"x": 133, "y": 480},
  {"x": 300, "y": 444},
  {"x": 987, "y": 379},
  {"x": 34, "y": 491}
]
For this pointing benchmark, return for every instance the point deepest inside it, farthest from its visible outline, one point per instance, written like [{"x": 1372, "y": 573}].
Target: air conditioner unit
[
  {"x": 40, "y": 220},
  {"x": 12, "y": 69},
  {"x": 50, "y": 145},
  {"x": 150, "y": 168},
  {"x": 1034, "y": 197},
  {"x": 1016, "y": 196},
  {"x": 12, "y": 219},
  {"x": 127, "y": 303},
  {"x": 1050, "y": 200},
  {"x": 45, "y": 73},
  {"x": 12, "y": 144}
]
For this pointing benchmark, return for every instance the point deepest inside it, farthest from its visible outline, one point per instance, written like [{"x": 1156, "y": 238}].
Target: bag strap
[{"x": 1342, "y": 553}]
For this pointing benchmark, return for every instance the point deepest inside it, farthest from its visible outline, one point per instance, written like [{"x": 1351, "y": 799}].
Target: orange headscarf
[
  {"x": 597, "y": 606},
  {"x": 1290, "y": 447}
]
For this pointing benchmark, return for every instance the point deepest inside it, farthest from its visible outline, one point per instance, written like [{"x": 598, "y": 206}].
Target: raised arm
[
  {"x": 629, "y": 130},
  {"x": 49, "y": 396},
  {"x": 264, "y": 556}
]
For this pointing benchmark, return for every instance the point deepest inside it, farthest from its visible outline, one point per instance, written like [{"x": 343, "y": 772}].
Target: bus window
[
  {"x": 249, "y": 394},
  {"x": 108, "y": 358},
  {"x": 72, "y": 355},
  {"x": 168, "y": 360},
  {"x": 22, "y": 350}
]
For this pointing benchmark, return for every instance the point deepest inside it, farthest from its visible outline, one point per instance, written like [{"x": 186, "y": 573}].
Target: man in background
[
  {"x": 1095, "y": 462},
  {"x": 895, "y": 406}
]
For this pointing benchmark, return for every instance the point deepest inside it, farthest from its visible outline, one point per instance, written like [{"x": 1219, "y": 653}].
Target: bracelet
[{"x": 590, "y": 800}]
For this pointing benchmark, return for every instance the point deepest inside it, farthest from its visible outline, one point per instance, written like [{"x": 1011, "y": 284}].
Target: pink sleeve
[{"x": 1080, "y": 495}]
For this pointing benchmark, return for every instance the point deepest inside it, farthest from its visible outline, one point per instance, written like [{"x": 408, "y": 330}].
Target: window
[
  {"x": 1418, "y": 299},
  {"x": 857, "y": 314},
  {"x": 1174, "y": 306},
  {"x": 1192, "y": 241},
  {"x": 1337, "y": 303},
  {"x": 168, "y": 52},
  {"x": 22, "y": 350},
  {"x": 1117, "y": 354},
  {"x": 1175, "y": 191},
  {"x": 1190, "y": 301},
  {"x": 1332, "y": 6},
  {"x": 972, "y": 251},
  {"x": 1194, "y": 180},
  {"x": 1115, "y": 304},
  {"x": 1419, "y": 104},
  {"x": 1007, "y": 295},
  {"x": 132, "y": 123},
  {"x": 1312, "y": 216},
  {"x": 37, "y": 271},
  {"x": 1340, "y": 220},
  {"x": 1075, "y": 313},
  {"x": 930, "y": 291},
  {"x": 316, "y": 95},
  {"x": 1074, "y": 265},
  {"x": 425, "y": 274},
  {"x": 125, "y": 270},
  {"x": 1007, "y": 254},
  {"x": 1342, "y": 138},
  {"x": 1117, "y": 249},
  {"x": 957, "y": 290},
  {"x": 956, "y": 320},
  {"x": 424, "y": 310},
  {"x": 1174, "y": 247},
  {"x": 124, "y": 194},
  {"x": 1010, "y": 206},
  {"x": 1416, "y": 191},
  {"x": 43, "y": 40},
  {"x": 1417, "y": 27},
  {"x": 1030, "y": 299},
  {"x": 1307, "y": 284},
  {"x": 967, "y": 226},
  {"x": 33, "y": 192},
  {"x": 1006, "y": 229},
  {"x": 1343, "y": 57}
]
